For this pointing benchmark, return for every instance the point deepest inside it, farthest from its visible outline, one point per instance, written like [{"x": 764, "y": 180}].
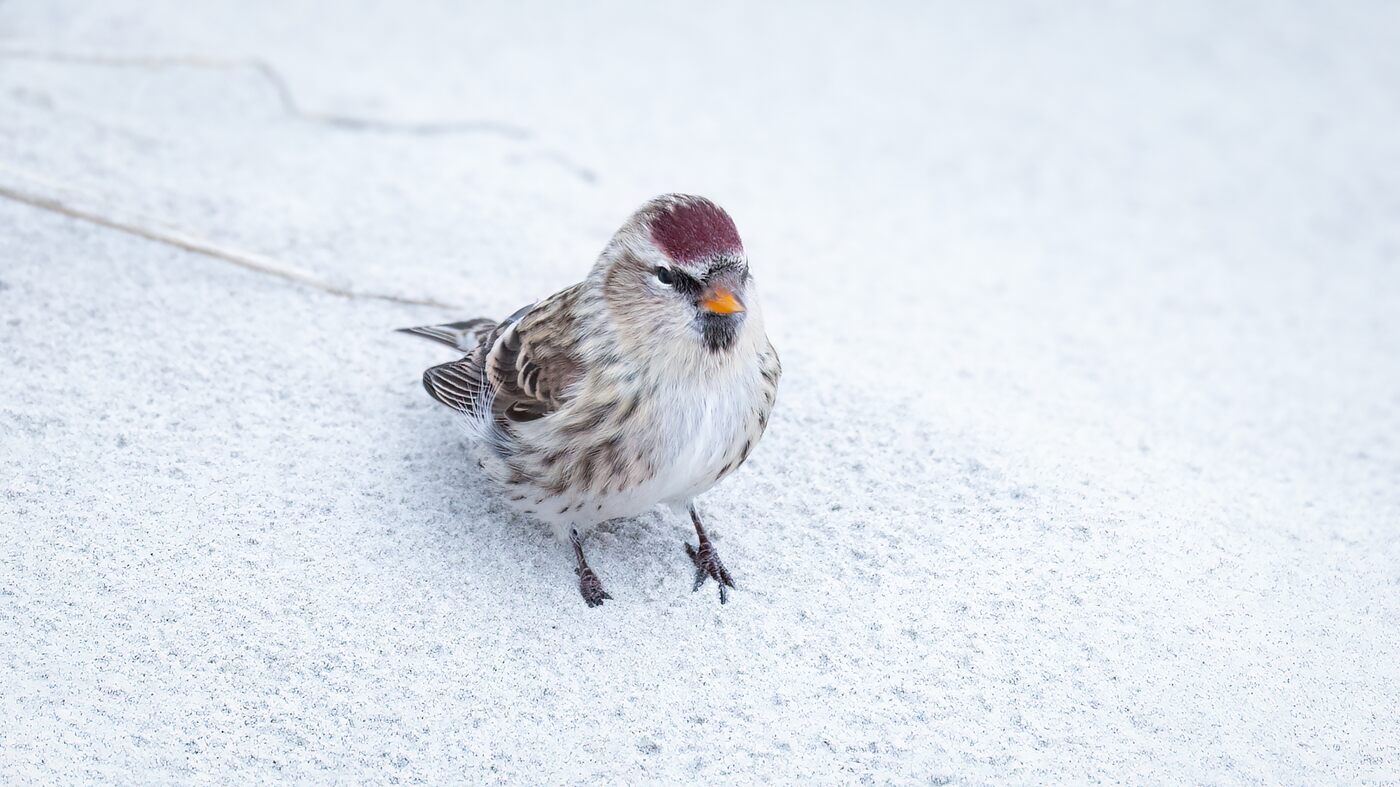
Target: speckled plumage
[{"x": 641, "y": 385}]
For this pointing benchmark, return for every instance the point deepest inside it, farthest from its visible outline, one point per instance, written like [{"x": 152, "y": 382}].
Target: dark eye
[{"x": 663, "y": 275}]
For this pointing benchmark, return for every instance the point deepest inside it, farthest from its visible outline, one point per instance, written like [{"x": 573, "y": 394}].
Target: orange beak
[{"x": 721, "y": 301}]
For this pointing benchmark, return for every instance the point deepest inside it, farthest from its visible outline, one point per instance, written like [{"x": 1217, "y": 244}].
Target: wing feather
[
  {"x": 519, "y": 370},
  {"x": 464, "y": 335},
  {"x": 533, "y": 362}
]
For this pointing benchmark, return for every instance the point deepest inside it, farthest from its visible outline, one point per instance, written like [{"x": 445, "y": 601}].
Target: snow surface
[{"x": 1086, "y": 464}]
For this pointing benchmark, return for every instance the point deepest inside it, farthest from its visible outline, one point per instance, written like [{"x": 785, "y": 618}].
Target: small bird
[{"x": 644, "y": 384}]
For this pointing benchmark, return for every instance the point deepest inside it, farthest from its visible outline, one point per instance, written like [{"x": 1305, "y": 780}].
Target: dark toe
[
  {"x": 591, "y": 588},
  {"x": 708, "y": 565}
]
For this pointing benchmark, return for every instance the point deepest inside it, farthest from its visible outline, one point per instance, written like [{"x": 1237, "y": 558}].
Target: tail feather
[{"x": 464, "y": 335}]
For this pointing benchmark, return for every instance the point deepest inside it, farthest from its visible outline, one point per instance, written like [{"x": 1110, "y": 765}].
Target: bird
[{"x": 640, "y": 387}]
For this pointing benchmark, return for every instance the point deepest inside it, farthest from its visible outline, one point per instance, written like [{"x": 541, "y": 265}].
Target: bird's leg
[
  {"x": 588, "y": 583},
  {"x": 707, "y": 562}
]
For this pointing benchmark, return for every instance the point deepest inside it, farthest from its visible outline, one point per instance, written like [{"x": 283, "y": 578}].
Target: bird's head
[{"x": 677, "y": 271}]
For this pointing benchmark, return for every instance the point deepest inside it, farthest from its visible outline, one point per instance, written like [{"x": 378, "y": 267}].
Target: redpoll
[{"x": 644, "y": 384}]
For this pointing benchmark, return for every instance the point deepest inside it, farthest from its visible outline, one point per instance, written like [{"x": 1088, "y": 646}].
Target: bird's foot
[
  {"x": 590, "y": 587},
  {"x": 708, "y": 564}
]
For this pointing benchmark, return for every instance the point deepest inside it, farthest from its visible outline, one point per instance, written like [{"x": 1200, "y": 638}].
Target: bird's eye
[{"x": 663, "y": 275}]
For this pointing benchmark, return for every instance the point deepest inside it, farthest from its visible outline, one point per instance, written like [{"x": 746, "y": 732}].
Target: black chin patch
[{"x": 719, "y": 331}]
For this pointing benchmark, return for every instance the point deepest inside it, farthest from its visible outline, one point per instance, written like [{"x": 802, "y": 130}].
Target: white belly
[
  {"x": 699, "y": 432},
  {"x": 704, "y": 437}
]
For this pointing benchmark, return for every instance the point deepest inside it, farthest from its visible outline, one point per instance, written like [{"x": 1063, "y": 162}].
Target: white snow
[{"x": 1085, "y": 467}]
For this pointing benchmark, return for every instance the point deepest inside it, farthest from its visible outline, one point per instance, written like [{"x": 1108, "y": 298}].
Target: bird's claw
[
  {"x": 708, "y": 564},
  {"x": 591, "y": 588}
]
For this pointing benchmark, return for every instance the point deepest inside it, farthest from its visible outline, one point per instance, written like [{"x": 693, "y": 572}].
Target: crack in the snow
[
  {"x": 286, "y": 98},
  {"x": 181, "y": 240}
]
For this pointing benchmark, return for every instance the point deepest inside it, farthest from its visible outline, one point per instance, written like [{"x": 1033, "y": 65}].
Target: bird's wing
[
  {"x": 519, "y": 371},
  {"x": 459, "y": 385},
  {"x": 532, "y": 363}
]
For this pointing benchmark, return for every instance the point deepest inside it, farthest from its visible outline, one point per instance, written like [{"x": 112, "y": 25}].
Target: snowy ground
[{"x": 1086, "y": 465}]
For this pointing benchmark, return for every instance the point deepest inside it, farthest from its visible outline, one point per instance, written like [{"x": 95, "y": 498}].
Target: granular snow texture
[{"x": 1086, "y": 461}]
